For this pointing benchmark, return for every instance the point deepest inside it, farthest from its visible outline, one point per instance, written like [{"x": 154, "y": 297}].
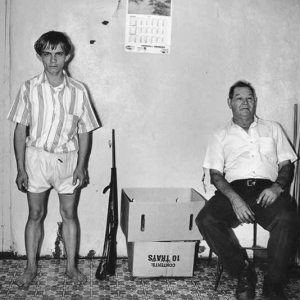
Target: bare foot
[
  {"x": 76, "y": 276},
  {"x": 26, "y": 278}
]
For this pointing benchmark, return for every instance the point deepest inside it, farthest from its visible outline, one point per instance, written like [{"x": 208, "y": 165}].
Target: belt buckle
[{"x": 251, "y": 182}]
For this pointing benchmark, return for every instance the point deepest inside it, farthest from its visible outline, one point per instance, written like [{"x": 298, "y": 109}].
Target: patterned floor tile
[{"x": 52, "y": 284}]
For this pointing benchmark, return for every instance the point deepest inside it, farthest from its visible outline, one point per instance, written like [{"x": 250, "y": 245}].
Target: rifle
[{"x": 107, "y": 265}]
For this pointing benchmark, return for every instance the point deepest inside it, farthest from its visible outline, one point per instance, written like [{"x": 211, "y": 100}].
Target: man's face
[
  {"x": 53, "y": 60},
  {"x": 243, "y": 103}
]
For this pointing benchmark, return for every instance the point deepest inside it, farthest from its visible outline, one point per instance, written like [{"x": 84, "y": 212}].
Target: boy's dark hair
[
  {"x": 51, "y": 40},
  {"x": 241, "y": 83}
]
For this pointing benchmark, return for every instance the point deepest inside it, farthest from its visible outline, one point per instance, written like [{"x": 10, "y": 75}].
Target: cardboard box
[
  {"x": 160, "y": 214},
  {"x": 161, "y": 259}
]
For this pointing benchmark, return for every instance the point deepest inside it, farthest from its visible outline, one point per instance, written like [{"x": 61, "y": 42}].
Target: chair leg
[
  {"x": 209, "y": 257},
  {"x": 254, "y": 241},
  {"x": 219, "y": 269},
  {"x": 218, "y": 275}
]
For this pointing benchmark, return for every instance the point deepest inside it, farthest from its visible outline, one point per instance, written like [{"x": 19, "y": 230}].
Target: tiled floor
[{"x": 51, "y": 283}]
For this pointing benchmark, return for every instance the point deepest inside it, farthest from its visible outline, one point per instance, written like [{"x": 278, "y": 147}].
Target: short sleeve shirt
[
  {"x": 55, "y": 116},
  {"x": 256, "y": 154}
]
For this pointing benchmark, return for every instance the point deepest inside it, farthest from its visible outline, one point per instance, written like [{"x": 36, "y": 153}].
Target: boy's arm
[
  {"x": 19, "y": 147},
  {"x": 80, "y": 172}
]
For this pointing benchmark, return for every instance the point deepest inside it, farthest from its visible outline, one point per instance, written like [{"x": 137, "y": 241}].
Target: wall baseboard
[{"x": 8, "y": 255}]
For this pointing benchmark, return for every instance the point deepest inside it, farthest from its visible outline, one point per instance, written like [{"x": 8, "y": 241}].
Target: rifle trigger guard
[{"x": 106, "y": 188}]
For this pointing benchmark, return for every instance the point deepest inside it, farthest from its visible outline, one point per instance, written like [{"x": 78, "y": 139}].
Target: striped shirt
[{"x": 55, "y": 116}]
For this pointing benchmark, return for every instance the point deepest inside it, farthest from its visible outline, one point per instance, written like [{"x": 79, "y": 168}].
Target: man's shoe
[
  {"x": 273, "y": 291},
  {"x": 246, "y": 283}
]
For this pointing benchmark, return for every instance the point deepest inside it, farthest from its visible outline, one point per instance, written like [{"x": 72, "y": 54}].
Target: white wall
[
  {"x": 163, "y": 107},
  {"x": 5, "y": 232}
]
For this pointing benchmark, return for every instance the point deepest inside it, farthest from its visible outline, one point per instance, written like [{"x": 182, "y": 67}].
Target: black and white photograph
[{"x": 150, "y": 150}]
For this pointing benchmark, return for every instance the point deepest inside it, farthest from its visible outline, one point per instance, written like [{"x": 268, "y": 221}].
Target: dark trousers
[{"x": 217, "y": 218}]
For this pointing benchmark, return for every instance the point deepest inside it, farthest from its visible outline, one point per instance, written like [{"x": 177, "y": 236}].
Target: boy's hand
[
  {"x": 22, "y": 181},
  {"x": 80, "y": 174}
]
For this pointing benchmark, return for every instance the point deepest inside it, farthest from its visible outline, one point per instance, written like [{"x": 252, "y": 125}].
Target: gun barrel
[{"x": 113, "y": 149}]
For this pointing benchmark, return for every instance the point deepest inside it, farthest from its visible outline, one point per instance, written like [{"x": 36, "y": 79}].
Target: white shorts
[{"x": 46, "y": 170}]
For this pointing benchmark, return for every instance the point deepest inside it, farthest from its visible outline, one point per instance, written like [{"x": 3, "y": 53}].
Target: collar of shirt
[
  {"x": 253, "y": 124},
  {"x": 42, "y": 78}
]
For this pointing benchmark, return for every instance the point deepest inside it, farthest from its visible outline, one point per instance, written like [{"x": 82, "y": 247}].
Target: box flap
[{"x": 160, "y": 214}]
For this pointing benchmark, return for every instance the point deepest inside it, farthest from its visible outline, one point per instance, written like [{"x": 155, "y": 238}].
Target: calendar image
[
  {"x": 148, "y": 26},
  {"x": 150, "y": 7}
]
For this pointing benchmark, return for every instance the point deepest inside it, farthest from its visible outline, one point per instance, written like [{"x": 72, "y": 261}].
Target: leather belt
[{"x": 251, "y": 182}]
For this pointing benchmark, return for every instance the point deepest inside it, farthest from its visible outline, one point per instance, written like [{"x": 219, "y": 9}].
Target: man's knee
[
  {"x": 288, "y": 221},
  {"x": 203, "y": 219}
]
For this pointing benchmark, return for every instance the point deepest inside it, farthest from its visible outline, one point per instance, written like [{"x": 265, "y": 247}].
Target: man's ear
[
  {"x": 39, "y": 57},
  {"x": 229, "y": 102}
]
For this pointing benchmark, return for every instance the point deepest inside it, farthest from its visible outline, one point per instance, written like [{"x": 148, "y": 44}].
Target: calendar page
[{"x": 148, "y": 26}]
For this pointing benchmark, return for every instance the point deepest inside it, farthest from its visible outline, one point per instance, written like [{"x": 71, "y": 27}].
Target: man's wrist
[{"x": 280, "y": 185}]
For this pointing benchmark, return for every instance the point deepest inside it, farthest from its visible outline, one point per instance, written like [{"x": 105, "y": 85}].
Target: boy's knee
[
  {"x": 68, "y": 214},
  {"x": 36, "y": 215}
]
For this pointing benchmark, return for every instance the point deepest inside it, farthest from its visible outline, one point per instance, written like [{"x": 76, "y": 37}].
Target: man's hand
[
  {"x": 269, "y": 195},
  {"x": 285, "y": 177},
  {"x": 22, "y": 181},
  {"x": 242, "y": 211}
]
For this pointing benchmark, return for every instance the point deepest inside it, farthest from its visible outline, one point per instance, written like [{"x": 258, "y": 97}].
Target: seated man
[{"x": 251, "y": 165}]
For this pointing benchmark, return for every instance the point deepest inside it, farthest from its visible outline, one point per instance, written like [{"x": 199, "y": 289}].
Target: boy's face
[{"x": 53, "y": 60}]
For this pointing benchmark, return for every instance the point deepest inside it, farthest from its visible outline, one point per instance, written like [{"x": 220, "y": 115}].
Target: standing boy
[{"x": 54, "y": 123}]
